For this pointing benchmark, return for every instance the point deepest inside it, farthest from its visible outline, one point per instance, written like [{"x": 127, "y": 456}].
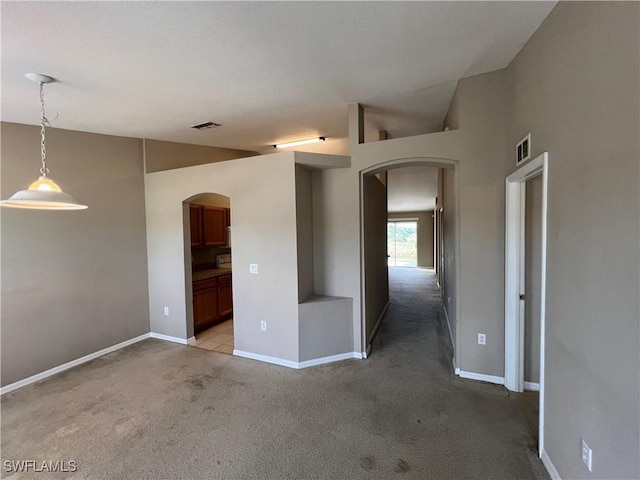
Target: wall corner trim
[
  {"x": 548, "y": 464},
  {"x": 481, "y": 376},
  {"x": 169, "y": 338},
  {"x": 296, "y": 365},
  {"x": 66, "y": 366}
]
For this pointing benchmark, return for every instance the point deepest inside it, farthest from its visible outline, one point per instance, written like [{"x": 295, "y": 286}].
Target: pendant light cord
[{"x": 43, "y": 121}]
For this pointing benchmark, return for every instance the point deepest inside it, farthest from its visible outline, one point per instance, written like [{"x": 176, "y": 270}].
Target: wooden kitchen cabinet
[
  {"x": 212, "y": 302},
  {"x": 208, "y": 225},
  {"x": 225, "y": 296},
  {"x": 195, "y": 221},
  {"x": 205, "y": 304}
]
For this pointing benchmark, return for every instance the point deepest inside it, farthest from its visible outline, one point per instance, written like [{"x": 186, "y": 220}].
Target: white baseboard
[
  {"x": 548, "y": 464},
  {"x": 378, "y": 322},
  {"x": 265, "y": 358},
  {"x": 481, "y": 376},
  {"x": 66, "y": 366},
  {"x": 359, "y": 355},
  {"x": 330, "y": 359},
  {"x": 191, "y": 340},
  {"x": 532, "y": 386},
  {"x": 296, "y": 365},
  {"x": 456, "y": 370},
  {"x": 169, "y": 338}
]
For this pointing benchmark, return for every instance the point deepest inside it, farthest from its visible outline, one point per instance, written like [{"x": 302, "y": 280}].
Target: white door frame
[{"x": 514, "y": 278}]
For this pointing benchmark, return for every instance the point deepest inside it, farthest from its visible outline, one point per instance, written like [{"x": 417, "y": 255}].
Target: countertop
[{"x": 210, "y": 273}]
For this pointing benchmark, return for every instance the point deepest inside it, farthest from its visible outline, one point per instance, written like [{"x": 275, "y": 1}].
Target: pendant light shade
[{"x": 44, "y": 193}]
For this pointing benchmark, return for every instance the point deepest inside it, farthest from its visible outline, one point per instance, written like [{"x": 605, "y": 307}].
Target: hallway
[
  {"x": 414, "y": 324},
  {"x": 162, "y": 410},
  {"x": 477, "y": 429}
]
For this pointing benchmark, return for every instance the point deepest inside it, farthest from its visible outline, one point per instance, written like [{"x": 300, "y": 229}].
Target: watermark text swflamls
[{"x": 52, "y": 466}]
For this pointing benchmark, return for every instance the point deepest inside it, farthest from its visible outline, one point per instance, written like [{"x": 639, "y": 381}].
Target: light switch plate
[
  {"x": 253, "y": 268},
  {"x": 587, "y": 455},
  {"x": 482, "y": 339}
]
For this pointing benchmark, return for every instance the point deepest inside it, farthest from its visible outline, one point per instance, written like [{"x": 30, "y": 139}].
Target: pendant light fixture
[{"x": 43, "y": 194}]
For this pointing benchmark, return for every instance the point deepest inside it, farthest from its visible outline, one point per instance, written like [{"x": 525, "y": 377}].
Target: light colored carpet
[{"x": 161, "y": 410}]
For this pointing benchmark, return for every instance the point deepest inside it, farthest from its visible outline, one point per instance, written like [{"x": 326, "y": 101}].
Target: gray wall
[
  {"x": 72, "y": 282},
  {"x": 168, "y": 155},
  {"x": 425, "y": 235},
  {"x": 376, "y": 276},
  {"x": 325, "y": 327},
  {"x": 533, "y": 270},
  {"x": 304, "y": 232},
  {"x": 575, "y": 88}
]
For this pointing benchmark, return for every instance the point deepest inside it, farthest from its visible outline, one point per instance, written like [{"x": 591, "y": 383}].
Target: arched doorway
[
  {"x": 373, "y": 248},
  {"x": 209, "y": 297}
]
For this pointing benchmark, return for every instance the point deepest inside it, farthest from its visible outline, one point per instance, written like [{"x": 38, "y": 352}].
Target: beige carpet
[{"x": 161, "y": 410}]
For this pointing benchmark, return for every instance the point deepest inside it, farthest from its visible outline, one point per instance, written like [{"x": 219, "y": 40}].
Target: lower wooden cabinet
[
  {"x": 212, "y": 302},
  {"x": 225, "y": 296}
]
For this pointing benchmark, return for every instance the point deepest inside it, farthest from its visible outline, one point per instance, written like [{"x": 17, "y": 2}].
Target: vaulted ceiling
[{"x": 267, "y": 71}]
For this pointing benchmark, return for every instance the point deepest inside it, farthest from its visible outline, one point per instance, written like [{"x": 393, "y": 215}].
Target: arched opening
[
  {"x": 441, "y": 269},
  {"x": 207, "y": 257}
]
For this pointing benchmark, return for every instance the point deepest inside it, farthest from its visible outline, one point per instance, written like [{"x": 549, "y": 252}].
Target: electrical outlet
[
  {"x": 166, "y": 310},
  {"x": 482, "y": 339},
  {"x": 587, "y": 455},
  {"x": 263, "y": 325},
  {"x": 253, "y": 268}
]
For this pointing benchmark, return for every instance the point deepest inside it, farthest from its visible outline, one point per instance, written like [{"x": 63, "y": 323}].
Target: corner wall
[
  {"x": 73, "y": 282},
  {"x": 264, "y": 232}
]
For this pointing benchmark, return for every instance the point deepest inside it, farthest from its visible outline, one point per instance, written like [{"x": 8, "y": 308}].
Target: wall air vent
[
  {"x": 523, "y": 150},
  {"x": 205, "y": 125}
]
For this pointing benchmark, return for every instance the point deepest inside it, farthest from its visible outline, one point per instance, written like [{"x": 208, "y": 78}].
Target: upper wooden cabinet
[
  {"x": 208, "y": 226},
  {"x": 214, "y": 226}
]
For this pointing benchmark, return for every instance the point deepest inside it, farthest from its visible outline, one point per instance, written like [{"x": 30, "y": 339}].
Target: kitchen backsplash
[{"x": 206, "y": 256}]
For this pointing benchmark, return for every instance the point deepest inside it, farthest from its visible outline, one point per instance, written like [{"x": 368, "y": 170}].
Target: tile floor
[{"x": 218, "y": 338}]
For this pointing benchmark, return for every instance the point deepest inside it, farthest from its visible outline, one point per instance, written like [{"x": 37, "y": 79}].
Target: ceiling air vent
[
  {"x": 205, "y": 125},
  {"x": 523, "y": 150}
]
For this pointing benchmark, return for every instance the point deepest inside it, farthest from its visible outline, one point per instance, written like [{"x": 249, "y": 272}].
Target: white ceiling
[
  {"x": 267, "y": 71},
  {"x": 412, "y": 189}
]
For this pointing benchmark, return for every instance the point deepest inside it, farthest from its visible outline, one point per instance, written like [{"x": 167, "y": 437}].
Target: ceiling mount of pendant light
[{"x": 43, "y": 194}]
